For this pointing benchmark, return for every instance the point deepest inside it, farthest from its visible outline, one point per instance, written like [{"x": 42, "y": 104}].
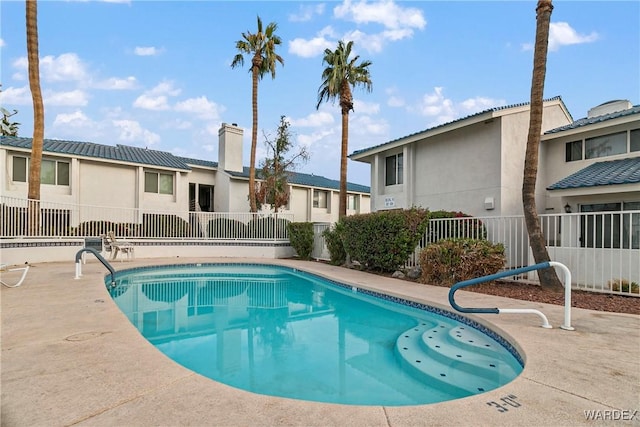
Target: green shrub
[
  {"x": 227, "y": 228},
  {"x": 466, "y": 228},
  {"x": 452, "y": 260},
  {"x": 301, "y": 238},
  {"x": 267, "y": 228},
  {"x": 98, "y": 227},
  {"x": 623, "y": 285},
  {"x": 165, "y": 225},
  {"x": 333, "y": 239},
  {"x": 384, "y": 240}
]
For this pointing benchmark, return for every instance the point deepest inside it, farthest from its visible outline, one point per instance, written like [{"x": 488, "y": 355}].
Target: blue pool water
[{"x": 279, "y": 331}]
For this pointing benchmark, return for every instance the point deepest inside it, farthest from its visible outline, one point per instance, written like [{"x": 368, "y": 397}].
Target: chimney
[
  {"x": 609, "y": 107},
  {"x": 230, "y": 147}
]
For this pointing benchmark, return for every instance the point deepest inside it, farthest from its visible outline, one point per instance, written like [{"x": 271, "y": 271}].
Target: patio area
[{"x": 71, "y": 357}]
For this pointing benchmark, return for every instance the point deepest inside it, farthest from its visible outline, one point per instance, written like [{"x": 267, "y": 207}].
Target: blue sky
[{"x": 157, "y": 74}]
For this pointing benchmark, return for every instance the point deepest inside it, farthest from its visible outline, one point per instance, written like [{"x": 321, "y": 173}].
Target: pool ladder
[
  {"x": 545, "y": 323},
  {"x": 100, "y": 258}
]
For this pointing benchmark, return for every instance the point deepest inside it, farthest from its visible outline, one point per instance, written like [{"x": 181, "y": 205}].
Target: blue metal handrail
[
  {"x": 100, "y": 258},
  {"x": 515, "y": 272}
]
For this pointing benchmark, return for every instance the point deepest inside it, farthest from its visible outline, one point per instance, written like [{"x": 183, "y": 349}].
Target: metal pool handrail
[
  {"x": 100, "y": 258},
  {"x": 567, "y": 293}
]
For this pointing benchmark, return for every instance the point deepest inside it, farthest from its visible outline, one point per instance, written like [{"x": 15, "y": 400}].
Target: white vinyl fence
[
  {"x": 50, "y": 219},
  {"x": 601, "y": 249}
]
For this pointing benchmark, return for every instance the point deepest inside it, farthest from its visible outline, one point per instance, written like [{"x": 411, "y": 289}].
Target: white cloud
[
  {"x": 115, "y": 83},
  {"x": 150, "y": 102},
  {"x": 367, "y": 125},
  {"x": 315, "y": 46},
  {"x": 394, "y": 100},
  {"x": 306, "y": 12},
  {"x": 16, "y": 96},
  {"x": 316, "y": 119},
  {"x": 178, "y": 124},
  {"x": 66, "y": 67},
  {"x": 562, "y": 34},
  {"x": 308, "y": 140},
  {"x": 131, "y": 131},
  {"x": 2, "y": 43},
  {"x": 201, "y": 107},
  {"x": 156, "y": 98},
  {"x": 399, "y": 23},
  {"x": 384, "y": 12},
  {"x": 147, "y": 51},
  {"x": 77, "y": 119},
  {"x": 165, "y": 87},
  {"x": 362, "y": 107},
  {"x": 442, "y": 110},
  {"x": 70, "y": 98}
]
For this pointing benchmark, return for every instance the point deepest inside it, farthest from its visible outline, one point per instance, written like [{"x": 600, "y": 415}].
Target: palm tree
[
  {"x": 338, "y": 77},
  {"x": 548, "y": 278},
  {"x": 261, "y": 47},
  {"x": 38, "y": 116}
]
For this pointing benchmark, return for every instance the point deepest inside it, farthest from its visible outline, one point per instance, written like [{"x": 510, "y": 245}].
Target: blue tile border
[{"x": 397, "y": 300}]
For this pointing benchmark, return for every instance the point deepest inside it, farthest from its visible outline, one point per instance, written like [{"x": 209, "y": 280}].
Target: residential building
[
  {"x": 121, "y": 176},
  {"x": 475, "y": 164}
]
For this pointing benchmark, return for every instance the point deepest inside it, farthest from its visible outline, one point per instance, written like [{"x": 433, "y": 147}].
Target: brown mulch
[
  {"x": 580, "y": 299},
  {"x": 533, "y": 292}
]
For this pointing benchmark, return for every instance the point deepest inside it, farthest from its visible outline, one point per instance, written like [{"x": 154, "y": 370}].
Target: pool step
[{"x": 460, "y": 359}]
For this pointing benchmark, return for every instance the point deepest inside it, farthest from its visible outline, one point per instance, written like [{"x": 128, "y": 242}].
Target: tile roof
[
  {"x": 199, "y": 162},
  {"x": 123, "y": 153},
  {"x": 490, "y": 110},
  {"x": 597, "y": 119},
  {"x": 624, "y": 171},
  {"x": 311, "y": 180}
]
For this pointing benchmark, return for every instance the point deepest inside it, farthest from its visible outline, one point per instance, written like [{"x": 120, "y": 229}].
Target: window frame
[
  {"x": 609, "y": 227},
  {"x": 155, "y": 185},
  {"x": 59, "y": 176},
  {"x": 356, "y": 202},
  {"x": 394, "y": 176},
  {"x": 316, "y": 199},
  {"x": 571, "y": 151}
]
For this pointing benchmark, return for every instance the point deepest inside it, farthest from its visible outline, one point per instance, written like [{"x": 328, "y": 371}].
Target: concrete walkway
[{"x": 70, "y": 357}]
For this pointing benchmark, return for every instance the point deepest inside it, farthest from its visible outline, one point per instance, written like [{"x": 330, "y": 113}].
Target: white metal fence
[
  {"x": 50, "y": 219},
  {"x": 601, "y": 249}
]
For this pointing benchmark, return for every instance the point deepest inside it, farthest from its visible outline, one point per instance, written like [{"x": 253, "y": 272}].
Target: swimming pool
[{"x": 284, "y": 332}]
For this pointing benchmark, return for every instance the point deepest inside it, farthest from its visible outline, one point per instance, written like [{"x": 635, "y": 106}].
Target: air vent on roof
[{"x": 609, "y": 107}]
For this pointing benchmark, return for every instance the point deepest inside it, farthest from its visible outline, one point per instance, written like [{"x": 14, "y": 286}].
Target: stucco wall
[
  {"x": 458, "y": 170},
  {"x": 558, "y": 168},
  {"x": 101, "y": 184}
]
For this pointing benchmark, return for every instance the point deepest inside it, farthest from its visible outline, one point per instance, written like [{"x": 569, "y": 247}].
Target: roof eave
[
  {"x": 591, "y": 127},
  {"x": 429, "y": 133}
]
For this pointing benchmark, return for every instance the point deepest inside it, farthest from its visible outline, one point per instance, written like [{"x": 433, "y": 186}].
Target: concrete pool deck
[{"x": 71, "y": 357}]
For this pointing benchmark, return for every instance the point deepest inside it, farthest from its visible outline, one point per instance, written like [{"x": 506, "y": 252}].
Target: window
[
  {"x": 610, "y": 230},
  {"x": 574, "y": 151},
  {"x": 606, "y": 145},
  {"x": 352, "y": 202},
  {"x": 155, "y": 182},
  {"x": 393, "y": 170},
  {"x": 319, "y": 199},
  {"x": 635, "y": 140},
  {"x": 19, "y": 169},
  {"x": 52, "y": 172}
]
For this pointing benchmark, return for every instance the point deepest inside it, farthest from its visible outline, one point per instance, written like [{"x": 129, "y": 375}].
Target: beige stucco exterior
[
  {"x": 105, "y": 182},
  {"x": 473, "y": 165}
]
